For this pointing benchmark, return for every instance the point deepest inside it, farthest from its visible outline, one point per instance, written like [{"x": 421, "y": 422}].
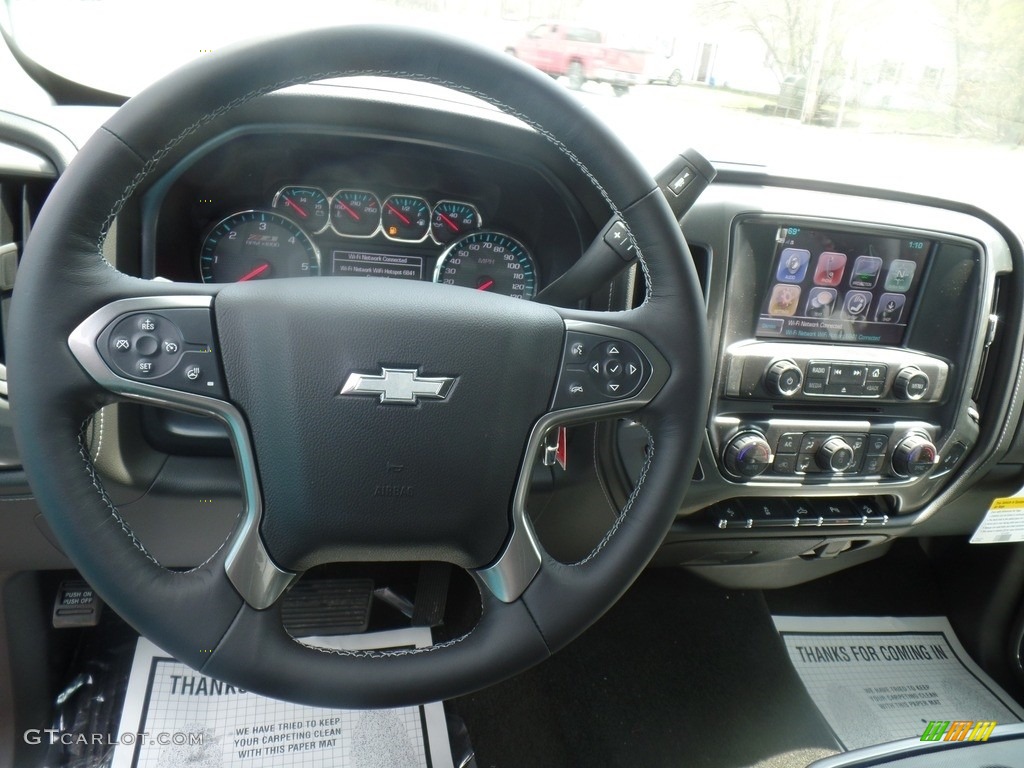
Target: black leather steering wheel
[{"x": 313, "y": 449}]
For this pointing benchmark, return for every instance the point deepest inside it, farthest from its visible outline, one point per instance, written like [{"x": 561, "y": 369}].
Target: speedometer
[{"x": 489, "y": 261}]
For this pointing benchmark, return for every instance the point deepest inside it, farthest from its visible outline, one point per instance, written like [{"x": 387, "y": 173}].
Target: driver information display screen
[{"x": 842, "y": 286}]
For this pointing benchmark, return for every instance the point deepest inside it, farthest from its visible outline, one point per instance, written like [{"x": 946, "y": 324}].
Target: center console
[{"x": 846, "y": 360}]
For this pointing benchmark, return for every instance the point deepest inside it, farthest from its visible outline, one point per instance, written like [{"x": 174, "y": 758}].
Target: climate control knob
[
  {"x": 835, "y": 455},
  {"x": 913, "y": 456},
  {"x": 747, "y": 455},
  {"x": 784, "y": 378},
  {"x": 911, "y": 383}
]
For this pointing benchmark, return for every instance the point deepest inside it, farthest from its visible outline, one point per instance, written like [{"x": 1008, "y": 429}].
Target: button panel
[
  {"x": 796, "y": 453},
  {"x": 747, "y": 514},
  {"x": 173, "y": 348},
  {"x": 597, "y": 369}
]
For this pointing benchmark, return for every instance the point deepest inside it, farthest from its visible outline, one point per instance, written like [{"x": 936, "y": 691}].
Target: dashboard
[
  {"x": 850, "y": 405},
  {"x": 303, "y": 204}
]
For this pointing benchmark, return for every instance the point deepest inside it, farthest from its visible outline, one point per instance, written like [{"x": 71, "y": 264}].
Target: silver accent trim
[
  {"x": 761, "y": 355},
  {"x": 398, "y": 385},
  {"x": 248, "y": 566},
  {"x": 522, "y": 558}
]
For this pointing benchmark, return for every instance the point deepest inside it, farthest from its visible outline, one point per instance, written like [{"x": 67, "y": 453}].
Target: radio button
[
  {"x": 784, "y": 378},
  {"x": 852, "y": 373},
  {"x": 814, "y": 387},
  {"x": 911, "y": 383},
  {"x": 817, "y": 370},
  {"x": 877, "y": 372}
]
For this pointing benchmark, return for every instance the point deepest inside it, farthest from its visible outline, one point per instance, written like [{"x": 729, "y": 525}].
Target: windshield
[{"x": 922, "y": 95}]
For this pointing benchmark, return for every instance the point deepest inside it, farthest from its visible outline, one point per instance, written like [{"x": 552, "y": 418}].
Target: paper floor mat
[
  {"x": 882, "y": 679},
  {"x": 174, "y": 717}
]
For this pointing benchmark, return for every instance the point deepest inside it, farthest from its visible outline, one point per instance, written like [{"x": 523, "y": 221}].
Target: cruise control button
[
  {"x": 171, "y": 347},
  {"x": 121, "y": 344},
  {"x": 144, "y": 367},
  {"x": 147, "y": 324},
  {"x": 147, "y": 346}
]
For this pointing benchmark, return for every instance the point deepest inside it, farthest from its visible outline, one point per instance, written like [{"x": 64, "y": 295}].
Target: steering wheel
[{"x": 326, "y": 386}]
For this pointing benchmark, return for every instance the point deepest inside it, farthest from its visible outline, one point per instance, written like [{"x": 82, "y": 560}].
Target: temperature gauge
[
  {"x": 355, "y": 213},
  {"x": 405, "y": 218}
]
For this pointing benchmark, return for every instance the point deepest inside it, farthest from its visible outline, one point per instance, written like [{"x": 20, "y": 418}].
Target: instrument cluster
[{"x": 306, "y": 232}]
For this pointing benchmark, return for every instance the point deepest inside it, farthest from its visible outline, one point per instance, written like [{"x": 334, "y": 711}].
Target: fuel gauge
[
  {"x": 452, "y": 220},
  {"x": 405, "y": 218}
]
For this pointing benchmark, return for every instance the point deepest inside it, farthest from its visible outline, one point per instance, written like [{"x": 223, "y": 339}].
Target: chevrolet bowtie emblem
[{"x": 398, "y": 385}]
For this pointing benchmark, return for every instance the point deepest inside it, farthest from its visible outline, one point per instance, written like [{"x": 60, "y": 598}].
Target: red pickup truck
[{"x": 581, "y": 53}]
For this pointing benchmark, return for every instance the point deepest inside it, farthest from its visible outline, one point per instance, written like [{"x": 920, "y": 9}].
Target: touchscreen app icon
[
  {"x": 900, "y": 276},
  {"x": 784, "y": 300},
  {"x": 830, "y": 268},
  {"x": 793, "y": 265},
  {"x": 821, "y": 302},
  {"x": 865, "y": 272},
  {"x": 856, "y": 305},
  {"x": 890, "y": 308}
]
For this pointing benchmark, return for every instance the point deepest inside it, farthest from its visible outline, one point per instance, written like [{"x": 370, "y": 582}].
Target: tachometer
[
  {"x": 308, "y": 206},
  {"x": 251, "y": 245},
  {"x": 489, "y": 261}
]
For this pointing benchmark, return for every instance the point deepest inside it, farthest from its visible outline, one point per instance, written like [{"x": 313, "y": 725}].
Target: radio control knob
[
  {"x": 911, "y": 383},
  {"x": 747, "y": 455},
  {"x": 784, "y": 378},
  {"x": 913, "y": 456},
  {"x": 835, "y": 455}
]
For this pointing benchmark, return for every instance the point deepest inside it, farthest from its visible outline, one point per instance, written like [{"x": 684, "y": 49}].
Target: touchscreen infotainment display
[{"x": 842, "y": 286}]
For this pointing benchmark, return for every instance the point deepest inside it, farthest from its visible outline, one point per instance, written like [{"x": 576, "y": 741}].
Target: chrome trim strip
[
  {"x": 248, "y": 566},
  {"x": 521, "y": 561},
  {"x": 886, "y": 754}
]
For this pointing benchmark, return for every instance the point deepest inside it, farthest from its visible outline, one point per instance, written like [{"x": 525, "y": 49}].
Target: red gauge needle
[
  {"x": 350, "y": 211},
  {"x": 451, "y": 224},
  {"x": 399, "y": 214},
  {"x": 254, "y": 273},
  {"x": 295, "y": 207},
  {"x": 486, "y": 285}
]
